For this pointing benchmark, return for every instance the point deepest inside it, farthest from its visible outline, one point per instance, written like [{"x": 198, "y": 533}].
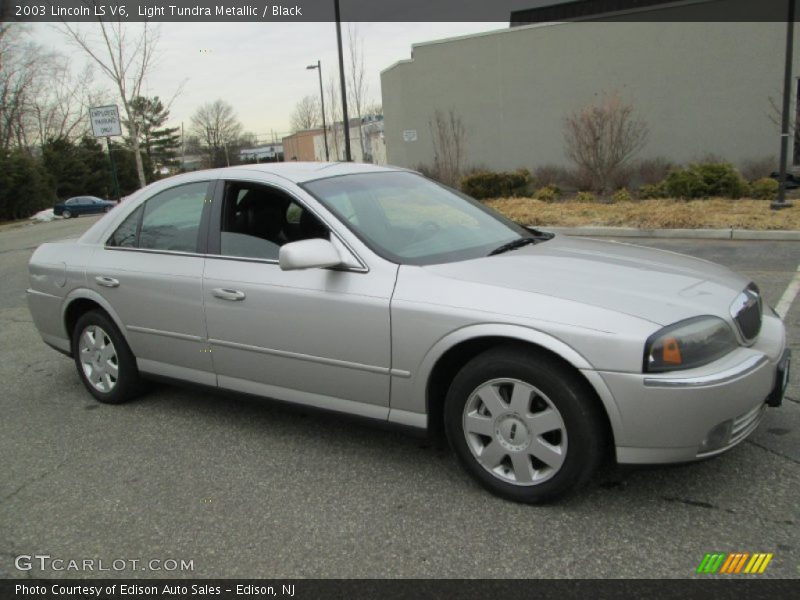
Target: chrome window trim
[
  {"x": 153, "y": 251},
  {"x": 267, "y": 261}
]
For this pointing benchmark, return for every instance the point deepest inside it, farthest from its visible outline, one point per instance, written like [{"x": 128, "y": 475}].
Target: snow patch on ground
[{"x": 44, "y": 216}]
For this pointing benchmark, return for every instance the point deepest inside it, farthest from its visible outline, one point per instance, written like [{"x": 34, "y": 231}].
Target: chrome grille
[
  {"x": 746, "y": 312},
  {"x": 744, "y": 424}
]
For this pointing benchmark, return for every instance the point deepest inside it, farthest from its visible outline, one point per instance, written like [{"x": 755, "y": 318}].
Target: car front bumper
[{"x": 697, "y": 413}]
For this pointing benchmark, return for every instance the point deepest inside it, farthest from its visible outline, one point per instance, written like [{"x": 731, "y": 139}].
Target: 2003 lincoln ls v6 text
[{"x": 377, "y": 292}]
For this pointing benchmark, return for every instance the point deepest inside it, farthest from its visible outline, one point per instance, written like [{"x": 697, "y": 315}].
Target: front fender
[{"x": 409, "y": 390}]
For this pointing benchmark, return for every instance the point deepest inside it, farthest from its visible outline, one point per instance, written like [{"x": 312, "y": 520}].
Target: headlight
[{"x": 688, "y": 344}]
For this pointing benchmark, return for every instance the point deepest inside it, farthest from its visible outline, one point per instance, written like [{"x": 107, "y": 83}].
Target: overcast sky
[{"x": 260, "y": 68}]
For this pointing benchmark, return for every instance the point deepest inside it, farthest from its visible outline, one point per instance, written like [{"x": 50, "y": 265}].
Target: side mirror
[{"x": 308, "y": 254}]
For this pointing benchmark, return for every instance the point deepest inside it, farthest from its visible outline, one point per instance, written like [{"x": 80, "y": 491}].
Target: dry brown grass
[{"x": 715, "y": 213}]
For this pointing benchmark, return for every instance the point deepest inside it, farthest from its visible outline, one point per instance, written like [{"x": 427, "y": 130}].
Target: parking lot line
[{"x": 785, "y": 303}]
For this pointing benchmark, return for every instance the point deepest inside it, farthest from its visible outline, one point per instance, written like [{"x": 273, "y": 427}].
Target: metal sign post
[
  {"x": 105, "y": 123},
  {"x": 781, "y": 202}
]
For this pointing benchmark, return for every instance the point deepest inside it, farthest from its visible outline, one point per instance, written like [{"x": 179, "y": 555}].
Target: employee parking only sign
[{"x": 105, "y": 121}]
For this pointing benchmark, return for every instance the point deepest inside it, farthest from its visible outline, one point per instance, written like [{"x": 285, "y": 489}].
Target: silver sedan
[{"x": 376, "y": 292}]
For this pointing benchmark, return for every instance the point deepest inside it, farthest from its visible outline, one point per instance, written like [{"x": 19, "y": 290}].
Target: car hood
[{"x": 659, "y": 286}]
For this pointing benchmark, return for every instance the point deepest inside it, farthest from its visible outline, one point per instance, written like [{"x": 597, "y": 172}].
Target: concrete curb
[{"x": 707, "y": 234}]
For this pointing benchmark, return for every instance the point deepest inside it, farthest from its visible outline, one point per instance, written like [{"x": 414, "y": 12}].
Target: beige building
[
  {"x": 702, "y": 88},
  {"x": 300, "y": 145}
]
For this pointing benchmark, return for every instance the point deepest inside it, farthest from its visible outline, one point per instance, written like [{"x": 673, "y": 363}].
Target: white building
[
  {"x": 271, "y": 152},
  {"x": 369, "y": 134}
]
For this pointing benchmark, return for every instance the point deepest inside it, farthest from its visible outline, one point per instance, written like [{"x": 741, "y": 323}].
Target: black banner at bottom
[{"x": 354, "y": 589}]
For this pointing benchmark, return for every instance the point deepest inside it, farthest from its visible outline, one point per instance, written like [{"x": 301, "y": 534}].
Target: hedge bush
[
  {"x": 765, "y": 188},
  {"x": 653, "y": 192},
  {"x": 706, "y": 180},
  {"x": 493, "y": 184},
  {"x": 548, "y": 193},
  {"x": 585, "y": 197},
  {"x": 622, "y": 195}
]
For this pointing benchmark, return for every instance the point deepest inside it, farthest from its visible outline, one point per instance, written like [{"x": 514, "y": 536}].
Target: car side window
[
  {"x": 171, "y": 219},
  {"x": 125, "y": 235},
  {"x": 257, "y": 220}
]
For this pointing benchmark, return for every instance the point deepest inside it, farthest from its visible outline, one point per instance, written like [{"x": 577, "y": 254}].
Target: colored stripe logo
[{"x": 734, "y": 563}]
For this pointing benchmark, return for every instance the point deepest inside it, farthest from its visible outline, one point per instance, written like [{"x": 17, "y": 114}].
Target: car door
[
  {"x": 317, "y": 336},
  {"x": 85, "y": 206},
  {"x": 150, "y": 271}
]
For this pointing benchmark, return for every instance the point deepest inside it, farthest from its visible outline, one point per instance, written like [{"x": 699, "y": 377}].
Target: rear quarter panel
[{"x": 56, "y": 270}]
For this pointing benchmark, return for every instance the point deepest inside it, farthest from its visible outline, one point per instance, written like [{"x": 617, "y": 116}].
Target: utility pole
[
  {"x": 318, "y": 67},
  {"x": 113, "y": 169},
  {"x": 781, "y": 202},
  {"x": 343, "y": 85}
]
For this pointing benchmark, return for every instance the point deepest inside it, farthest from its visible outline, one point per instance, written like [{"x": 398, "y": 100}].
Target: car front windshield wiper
[{"x": 513, "y": 245}]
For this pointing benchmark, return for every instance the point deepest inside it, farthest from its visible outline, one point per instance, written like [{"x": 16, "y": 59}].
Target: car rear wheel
[
  {"x": 104, "y": 361},
  {"x": 66, "y": 214},
  {"x": 524, "y": 426}
]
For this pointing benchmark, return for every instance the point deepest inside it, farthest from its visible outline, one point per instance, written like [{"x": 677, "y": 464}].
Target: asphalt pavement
[{"x": 249, "y": 488}]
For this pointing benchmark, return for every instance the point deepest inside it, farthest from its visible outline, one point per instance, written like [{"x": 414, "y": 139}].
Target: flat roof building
[{"x": 701, "y": 87}]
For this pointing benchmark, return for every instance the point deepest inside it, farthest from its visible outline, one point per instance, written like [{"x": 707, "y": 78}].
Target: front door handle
[
  {"x": 107, "y": 281},
  {"x": 228, "y": 294}
]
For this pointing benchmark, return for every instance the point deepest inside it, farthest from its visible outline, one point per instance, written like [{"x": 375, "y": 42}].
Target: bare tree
[
  {"x": 357, "y": 85},
  {"x": 306, "y": 114},
  {"x": 373, "y": 108},
  {"x": 21, "y": 63},
  {"x": 217, "y": 125},
  {"x": 60, "y": 107},
  {"x": 449, "y": 137},
  {"x": 333, "y": 105},
  {"x": 126, "y": 57},
  {"x": 602, "y": 138}
]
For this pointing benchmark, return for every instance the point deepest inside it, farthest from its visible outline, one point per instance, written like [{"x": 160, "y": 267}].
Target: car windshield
[{"x": 409, "y": 219}]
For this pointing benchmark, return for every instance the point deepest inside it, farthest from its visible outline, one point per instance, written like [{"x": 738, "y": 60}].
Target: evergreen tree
[
  {"x": 25, "y": 186},
  {"x": 65, "y": 165},
  {"x": 160, "y": 144}
]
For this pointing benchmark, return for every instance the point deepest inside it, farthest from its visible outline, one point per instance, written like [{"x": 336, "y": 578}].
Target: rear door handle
[
  {"x": 107, "y": 281},
  {"x": 228, "y": 294}
]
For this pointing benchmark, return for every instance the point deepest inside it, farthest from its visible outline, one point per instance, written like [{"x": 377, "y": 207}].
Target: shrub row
[
  {"x": 490, "y": 184},
  {"x": 700, "y": 180}
]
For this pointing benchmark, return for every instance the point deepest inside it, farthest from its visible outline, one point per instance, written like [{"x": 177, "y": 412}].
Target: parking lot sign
[{"x": 105, "y": 121}]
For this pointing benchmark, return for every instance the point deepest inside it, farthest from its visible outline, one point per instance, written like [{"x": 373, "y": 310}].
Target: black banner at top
[{"x": 516, "y": 12}]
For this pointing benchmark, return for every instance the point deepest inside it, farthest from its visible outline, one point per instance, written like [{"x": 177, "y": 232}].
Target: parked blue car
[{"x": 82, "y": 205}]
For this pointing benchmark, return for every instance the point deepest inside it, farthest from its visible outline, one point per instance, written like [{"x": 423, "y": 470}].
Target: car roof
[{"x": 300, "y": 172}]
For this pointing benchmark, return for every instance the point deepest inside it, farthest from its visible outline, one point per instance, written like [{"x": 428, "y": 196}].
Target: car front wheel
[
  {"x": 524, "y": 425},
  {"x": 104, "y": 361},
  {"x": 66, "y": 214}
]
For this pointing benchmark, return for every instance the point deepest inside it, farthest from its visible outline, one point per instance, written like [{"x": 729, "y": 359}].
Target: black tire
[
  {"x": 582, "y": 449},
  {"x": 127, "y": 384},
  {"x": 66, "y": 214}
]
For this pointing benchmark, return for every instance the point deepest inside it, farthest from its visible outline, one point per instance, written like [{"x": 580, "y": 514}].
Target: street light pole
[
  {"x": 318, "y": 67},
  {"x": 781, "y": 202},
  {"x": 342, "y": 83}
]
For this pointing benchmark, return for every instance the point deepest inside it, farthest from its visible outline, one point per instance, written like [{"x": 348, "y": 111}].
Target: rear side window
[
  {"x": 169, "y": 220},
  {"x": 125, "y": 235}
]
